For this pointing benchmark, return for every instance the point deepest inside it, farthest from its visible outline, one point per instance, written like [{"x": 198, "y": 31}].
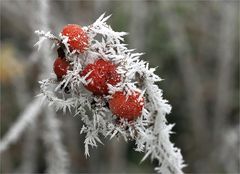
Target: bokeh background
[{"x": 194, "y": 44}]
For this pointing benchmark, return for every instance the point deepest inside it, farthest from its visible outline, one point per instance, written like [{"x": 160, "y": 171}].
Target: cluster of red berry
[{"x": 100, "y": 73}]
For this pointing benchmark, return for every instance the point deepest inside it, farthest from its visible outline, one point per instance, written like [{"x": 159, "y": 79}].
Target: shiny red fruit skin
[
  {"x": 103, "y": 73},
  {"x": 129, "y": 107},
  {"x": 77, "y": 38},
  {"x": 60, "y": 67}
]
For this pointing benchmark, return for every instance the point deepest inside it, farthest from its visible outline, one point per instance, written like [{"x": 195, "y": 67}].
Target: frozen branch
[
  {"x": 28, "y": 116},
  {"x": 57, "y": 157},
  {"x": 150, "y": 131}
]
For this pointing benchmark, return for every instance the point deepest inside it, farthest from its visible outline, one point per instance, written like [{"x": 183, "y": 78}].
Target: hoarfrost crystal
[{"x": 150, "y": 131}]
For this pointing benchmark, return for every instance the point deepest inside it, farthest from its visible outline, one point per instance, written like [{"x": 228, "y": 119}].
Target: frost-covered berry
[
  {"x": 102, "y": 73},
  {"x": 60, "y": 67},
  {"x": 77, "y": 38},
  {"x": 128, "y": 107}
]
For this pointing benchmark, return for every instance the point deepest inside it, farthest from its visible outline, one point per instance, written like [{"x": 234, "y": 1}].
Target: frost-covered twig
[
  {"x": 150, "y": 131},
  {"x": 24, "y": 120},
  {"x": 29, "y": 148},
  {"x": 43, "y": 36},
  {"x": 56, "y": 157},
  {"x": 169, "y": 157}
]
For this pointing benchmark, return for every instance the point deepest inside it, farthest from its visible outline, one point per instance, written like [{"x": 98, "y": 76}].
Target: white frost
[{"x": 150, "y": 131}]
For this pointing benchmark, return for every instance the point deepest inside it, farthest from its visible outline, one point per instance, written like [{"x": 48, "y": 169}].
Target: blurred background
[{"x": 195, "y": 46}]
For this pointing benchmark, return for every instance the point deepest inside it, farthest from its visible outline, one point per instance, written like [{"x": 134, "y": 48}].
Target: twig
[{"x": 24, "y": 120}]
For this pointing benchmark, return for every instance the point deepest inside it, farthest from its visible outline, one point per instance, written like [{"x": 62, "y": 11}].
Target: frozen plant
[{"x": 96, "y": 73}]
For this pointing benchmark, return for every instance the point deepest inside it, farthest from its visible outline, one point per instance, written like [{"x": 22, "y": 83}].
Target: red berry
[
  {"x": 60, "y": 67},
  {"x": 77, "y": 38},
  {"x": 103, "y": 73},
  {"x": 128, "y": 107}
]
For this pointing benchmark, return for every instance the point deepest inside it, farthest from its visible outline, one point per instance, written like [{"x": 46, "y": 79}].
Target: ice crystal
[{"x": 150, "y": 131}]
